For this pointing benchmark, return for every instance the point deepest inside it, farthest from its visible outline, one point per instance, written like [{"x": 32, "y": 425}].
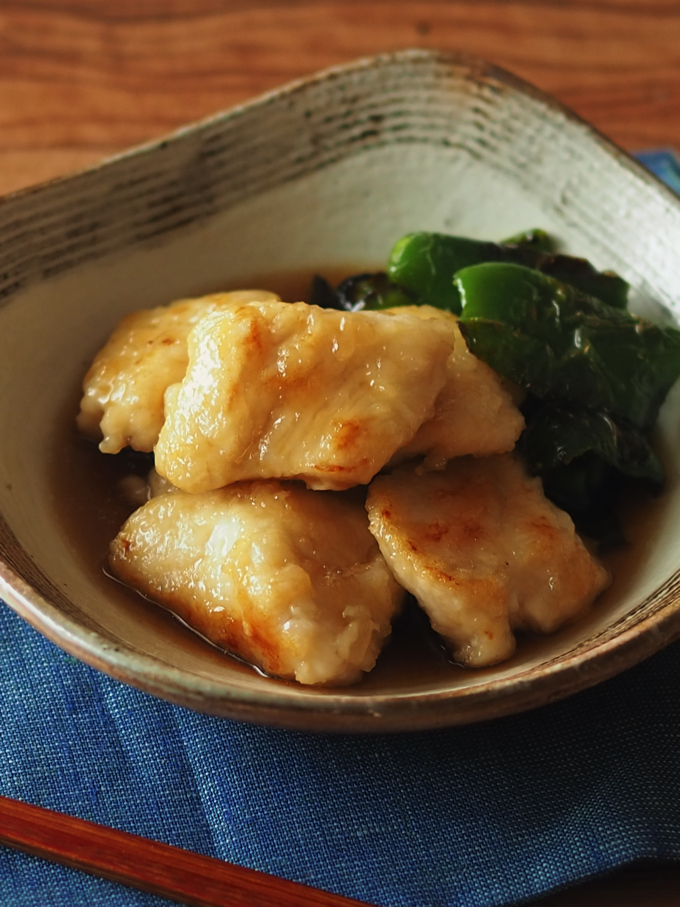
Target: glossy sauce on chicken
[
  {"x": 420, "y": 652},
  {"x": 93, "y": 495}
]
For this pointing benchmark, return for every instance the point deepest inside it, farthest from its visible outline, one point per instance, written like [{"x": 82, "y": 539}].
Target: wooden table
[{"x": 82, "y": 79}]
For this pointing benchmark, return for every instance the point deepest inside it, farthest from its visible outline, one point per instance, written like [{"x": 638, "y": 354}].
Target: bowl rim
[{"x": 311, "y": 709}]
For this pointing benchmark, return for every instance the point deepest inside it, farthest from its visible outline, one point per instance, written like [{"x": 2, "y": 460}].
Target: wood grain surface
[{"x": 83, "y": 79}]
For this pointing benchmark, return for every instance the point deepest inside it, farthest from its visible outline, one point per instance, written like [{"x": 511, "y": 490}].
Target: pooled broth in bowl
[{"x": 92, "y": 496}]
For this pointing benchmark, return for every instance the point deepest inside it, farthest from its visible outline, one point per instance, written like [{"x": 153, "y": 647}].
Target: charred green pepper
[
  {"x": 426, "y": 263},
  {"x": 595, "y": 375},
  {"x": 361, "y": 291},
  {"x": 585, "y": 458},
  {"x": 564, "y": 346},
  {"x": 534, "y": 239},
  {"x": 556, "y": 436}
]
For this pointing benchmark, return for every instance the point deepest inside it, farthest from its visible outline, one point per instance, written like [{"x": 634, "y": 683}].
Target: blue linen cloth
[{"x": 476, "y": 816}]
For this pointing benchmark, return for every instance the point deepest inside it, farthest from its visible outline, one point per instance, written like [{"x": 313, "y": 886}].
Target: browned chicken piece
[
  {"x": 484, "y": 552},
  {"x": 475, "y": 412},
  {"x": 122, "y": 402},
  {"x": 290, "y": 580},
  {"x": 289, "y": 390}
]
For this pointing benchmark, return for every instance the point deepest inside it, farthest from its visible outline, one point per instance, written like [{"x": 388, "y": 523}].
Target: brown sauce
[{"x": 91, "y": 508}]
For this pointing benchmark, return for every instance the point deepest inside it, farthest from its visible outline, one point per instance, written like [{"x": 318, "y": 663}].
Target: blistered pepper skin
[
  {"x": 426, "y": 264},
  {"x": 561, "y": 345}
]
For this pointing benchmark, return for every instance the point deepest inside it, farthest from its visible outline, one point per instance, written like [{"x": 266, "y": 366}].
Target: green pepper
[
  {"x": 589, "y": 490},
  {"x": 584, "y": 458},
  {"x": 426, "y": 263},
  {"x": 564, "y": 346},
  {"x": 556, "y": 437},
  {"x": 534, "y": 239},
  {"x": 373, "y": 291},
  {"x": 361, "y": 291}
]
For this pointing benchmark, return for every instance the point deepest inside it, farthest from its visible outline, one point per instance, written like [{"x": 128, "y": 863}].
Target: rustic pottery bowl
[{"x": 322, "y": 175}]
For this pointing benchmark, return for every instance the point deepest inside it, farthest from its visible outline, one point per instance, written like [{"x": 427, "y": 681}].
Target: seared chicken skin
[
  {"x": 122, "y": 402},
  {"x": 290, "y": 390},
  {"x": 288, "y": 579},
  {"x": 484, "y": 552}
]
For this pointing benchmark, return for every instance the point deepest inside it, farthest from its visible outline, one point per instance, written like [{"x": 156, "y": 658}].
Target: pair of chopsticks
[{"x": 170, "y": 872}]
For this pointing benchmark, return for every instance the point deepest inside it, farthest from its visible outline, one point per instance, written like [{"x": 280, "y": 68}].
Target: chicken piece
[
  {"x": 290, "y": 580},
  {"x": 484, "y": 552},
  {"x": 289, "y": 390},
  {"x": 124, "y": 387},
  {"x": 475, "y": 412},
  {"x": 156, "y": 485}
]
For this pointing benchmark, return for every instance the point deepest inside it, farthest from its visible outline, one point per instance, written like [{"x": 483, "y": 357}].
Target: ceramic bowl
[{"x": 323, "y": 175}]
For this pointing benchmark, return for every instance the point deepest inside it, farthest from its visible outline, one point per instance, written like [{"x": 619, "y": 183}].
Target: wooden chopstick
[{"x": 160, "y": 869}]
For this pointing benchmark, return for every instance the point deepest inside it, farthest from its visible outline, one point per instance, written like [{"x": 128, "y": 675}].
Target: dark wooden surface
[{"x": 82, "y": 79}]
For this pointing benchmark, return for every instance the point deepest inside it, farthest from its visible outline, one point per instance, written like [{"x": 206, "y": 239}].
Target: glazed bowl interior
[{"x": 322, "y": 176}]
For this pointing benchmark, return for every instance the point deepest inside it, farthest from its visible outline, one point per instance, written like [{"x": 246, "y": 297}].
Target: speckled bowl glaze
[{"x": 323, "y": 173}]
